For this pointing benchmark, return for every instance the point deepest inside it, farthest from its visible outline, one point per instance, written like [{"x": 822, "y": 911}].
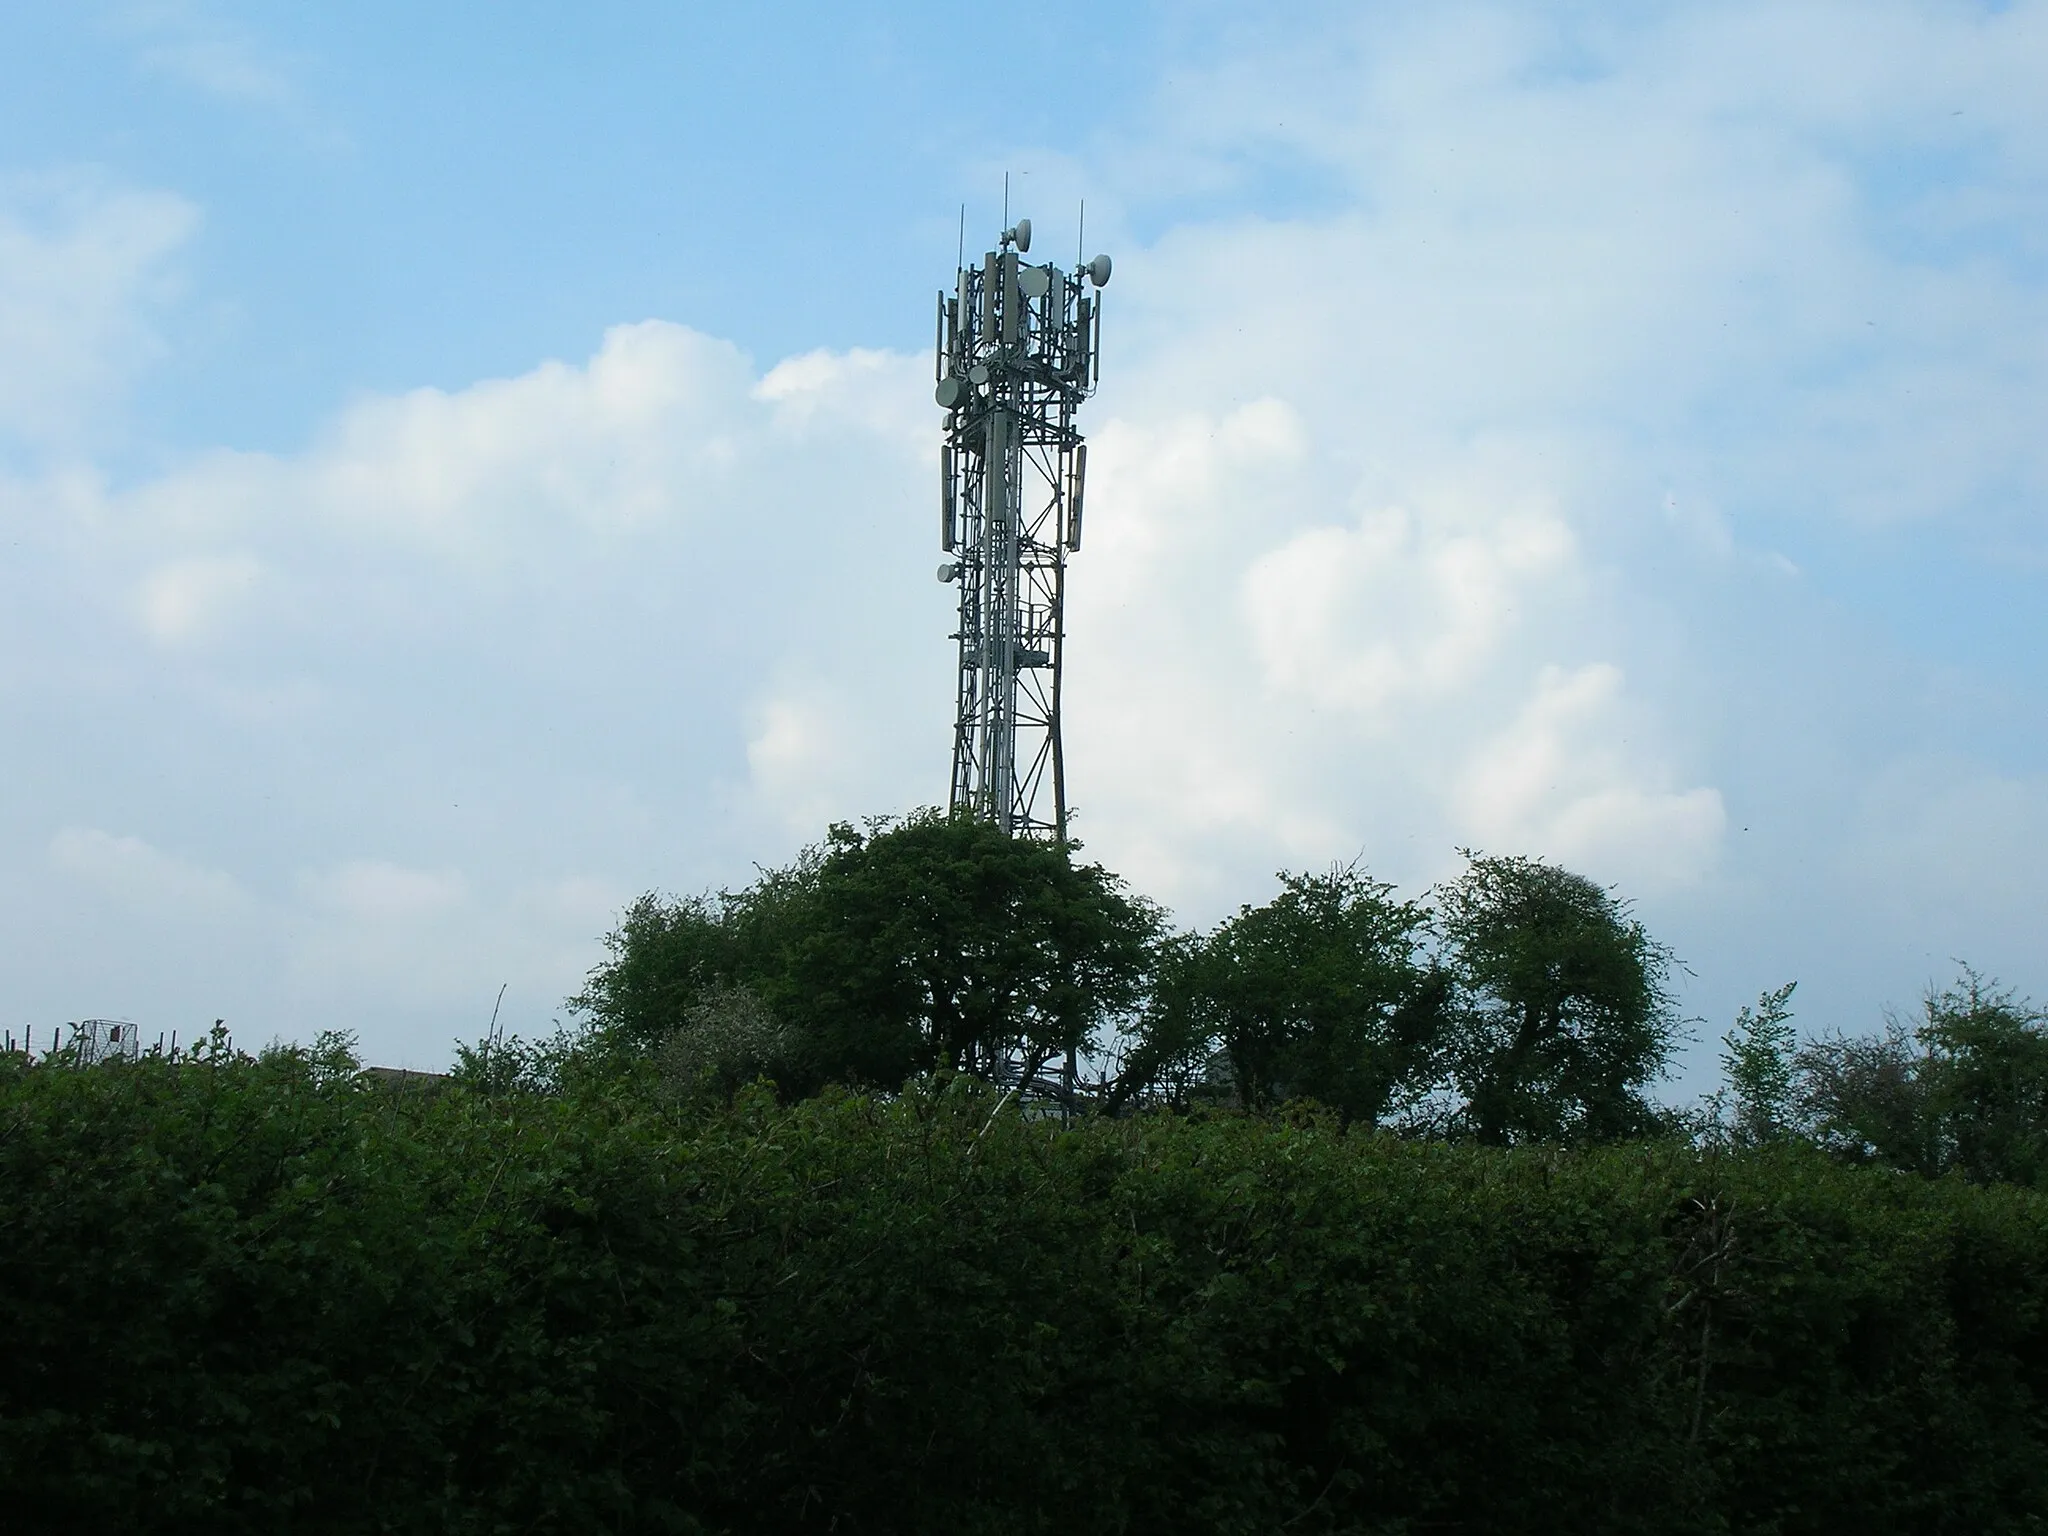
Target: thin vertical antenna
[
  {"x": 1006, "y": 199},
  {"x": 491, "y": 1033},
  {"x": 1081, "y": 235},
  {"x": 960, "y": 255}
]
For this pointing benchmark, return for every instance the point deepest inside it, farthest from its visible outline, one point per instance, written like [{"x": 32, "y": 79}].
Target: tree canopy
[
  {"x": 1964, "y": 1091},
  {"x": 906, "y": 946},
  {"x": 1322, "y": 993},
  {"x": 1565, "y": 1016},
  {"x": 1518, "y": 1003}
]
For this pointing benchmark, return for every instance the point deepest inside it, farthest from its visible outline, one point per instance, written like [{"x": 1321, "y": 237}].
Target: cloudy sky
[{"x": 462, "y": 466}]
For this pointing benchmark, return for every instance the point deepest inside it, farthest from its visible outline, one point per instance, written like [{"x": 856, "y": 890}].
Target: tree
[
  {"x": 1564, "y": 1015},
  {"x": 1320, "y": 993},
  {"x": 1989, "y": 1055},
  {"x": 1868, "y": 1099},
  {"x": 942, "y": 941},
  {"x": 1965, "y": 1090},
  {"x": 669, "y": 954},
  {"x": 1758, "y": 1059},
  {"x": 934, "y": 941}
]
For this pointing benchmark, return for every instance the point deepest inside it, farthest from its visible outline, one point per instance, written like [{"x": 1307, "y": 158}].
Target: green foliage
[
  {"x": 963, "y": 943},
  {"x": 937, "y": 943},
  {"x": 934, "y": 942},
  {"x": 1989, "y": 1058},
  {"x": 667, "y": 955},
  {"x": 1566, "y": 1015},
  {"x": 1869, "y": 1099},
  {"x": 264, "y": 1294},
  {"x": 1758, "y": 1059},
  {"x": 1321, "y": 993},
  {"x": 1965, "y": 1091},
  {"x": 727, "y": 1038},
  {"x": 610, "y": 1281}
]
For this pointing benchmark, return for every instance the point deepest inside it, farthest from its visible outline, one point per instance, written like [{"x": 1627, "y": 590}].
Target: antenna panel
[
  {"x": 947, "y": 504},
  {"x": 1076, "y": 487}
]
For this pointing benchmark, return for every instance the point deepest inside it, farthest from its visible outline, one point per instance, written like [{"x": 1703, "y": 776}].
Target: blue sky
[
  {"x": 463, "y": 466},
  {"x": 382, "y": 190}
]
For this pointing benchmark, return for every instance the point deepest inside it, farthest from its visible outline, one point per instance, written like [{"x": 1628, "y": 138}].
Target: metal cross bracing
[{"x": 1017, "y": 353}]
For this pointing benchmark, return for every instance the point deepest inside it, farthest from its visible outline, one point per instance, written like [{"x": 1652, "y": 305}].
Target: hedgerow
[{"x": 267, "y": 1294}]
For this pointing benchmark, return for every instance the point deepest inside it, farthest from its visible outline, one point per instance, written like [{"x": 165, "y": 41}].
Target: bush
[{"x": 261, "y": 1295}]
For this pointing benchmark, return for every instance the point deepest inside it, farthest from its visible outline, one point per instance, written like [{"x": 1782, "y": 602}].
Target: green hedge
[{"x": 265, "y": 1296}]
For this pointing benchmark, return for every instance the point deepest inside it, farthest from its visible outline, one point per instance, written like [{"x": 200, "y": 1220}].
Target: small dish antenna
[
  {"x": 1020, "y": 234},
  {"x": 1098, "y": 271}
]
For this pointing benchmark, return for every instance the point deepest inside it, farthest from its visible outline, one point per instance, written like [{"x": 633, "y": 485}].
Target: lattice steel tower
[{"x": 1017, "y": 354}]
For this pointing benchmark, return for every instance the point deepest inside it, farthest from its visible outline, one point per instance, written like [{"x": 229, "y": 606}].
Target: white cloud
[
  {"x": 192, "y": 44},
  {"x": 1446, "y": 507},
  {"x": 1954, "y": 850},
  {"x": 1583, "y": 320},
  {"x": 647, "y": 618},
  {"x": 1173, "y": 749},
  {"x": 1565, "y": 781},
  {"x": 861, "y": 390},
  {"x": 1356, "y": 618},
  {"x": 189, "y": 599},
  {"x": 81, "y": 262},
  {"x": 1658, "y": 230},
  {"x": 377, "y": 892},
  {"x": 646, "y": 433},
  {"x": 145, "y": 879},
  {"x": 1254, "y": 683},
  {"x": 797, "y": 758}
]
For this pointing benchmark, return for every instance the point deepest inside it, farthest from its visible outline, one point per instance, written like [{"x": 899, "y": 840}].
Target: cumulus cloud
[
  {"x": 496, "y": 474},
  {"x": 1799, "y": 226},
  {"x": 379, "y": 892},
  {"x": 1359, "y": 617},
  {"x": 546, "y": 640},
  {"x": 800, "y": 756},
  {"x": 186, "y": 599},
  {"x": 1617, "y": 351},
  {"x": 82, "y": 262},
  {"x": 1565, "y": 778},
  {"x": 1258, "y": 667},
  {"x": 1493, "y": 486},
  {"x": 157, "y": 885}
]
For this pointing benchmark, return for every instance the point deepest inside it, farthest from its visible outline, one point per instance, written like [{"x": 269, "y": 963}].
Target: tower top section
[{"x": 1035, "y": 322}]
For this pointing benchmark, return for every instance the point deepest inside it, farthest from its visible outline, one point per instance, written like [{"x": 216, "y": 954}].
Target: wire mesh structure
[
  {"x": 1017, "y": 353},
  {"x": 102, "y": 1040}
]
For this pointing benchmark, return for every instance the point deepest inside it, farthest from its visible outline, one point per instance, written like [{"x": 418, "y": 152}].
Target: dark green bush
[{"x": 267, "y": 1296}]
